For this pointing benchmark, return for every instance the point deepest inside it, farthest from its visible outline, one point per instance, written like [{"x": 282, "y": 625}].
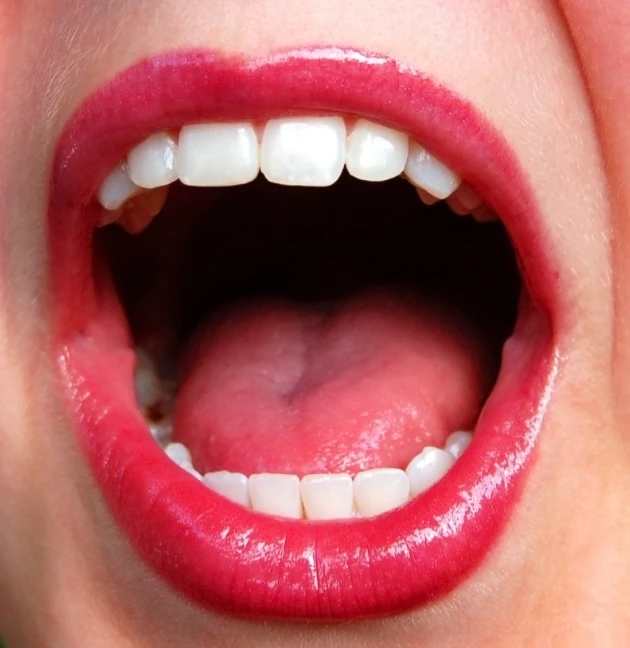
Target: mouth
[{"x": 304, "y": 390}]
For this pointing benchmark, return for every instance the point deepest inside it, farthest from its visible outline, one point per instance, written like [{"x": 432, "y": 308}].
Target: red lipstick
[{"x": 216, "y": 553}]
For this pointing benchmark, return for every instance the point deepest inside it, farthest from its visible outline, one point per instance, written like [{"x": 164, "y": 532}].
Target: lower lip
[{"x": 221, "y": 555}]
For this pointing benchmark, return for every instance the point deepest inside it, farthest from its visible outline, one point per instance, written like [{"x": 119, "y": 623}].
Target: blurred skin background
[{"x": 554, "y": 77}]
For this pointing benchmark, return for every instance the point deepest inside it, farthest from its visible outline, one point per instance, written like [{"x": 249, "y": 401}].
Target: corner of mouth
[{"x": 222, "y": 555}]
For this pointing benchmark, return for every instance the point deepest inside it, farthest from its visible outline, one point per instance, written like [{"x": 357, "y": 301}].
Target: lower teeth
[{"x": 314, "y": 497}]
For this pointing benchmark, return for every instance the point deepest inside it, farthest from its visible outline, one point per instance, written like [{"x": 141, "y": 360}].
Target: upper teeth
[
  {"x": 217, "y": 155},
  {"x": 305, "y": 151}
]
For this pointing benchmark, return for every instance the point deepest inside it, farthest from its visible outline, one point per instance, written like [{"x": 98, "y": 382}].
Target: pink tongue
[{"x": 280, "y": 387}]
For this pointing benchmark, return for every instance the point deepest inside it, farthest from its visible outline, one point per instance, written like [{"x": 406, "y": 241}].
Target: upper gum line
[{"x": 301, "y": 151}]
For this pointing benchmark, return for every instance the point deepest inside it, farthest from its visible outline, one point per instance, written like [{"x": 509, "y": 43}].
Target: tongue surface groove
[{"x": 274, "y": 386}]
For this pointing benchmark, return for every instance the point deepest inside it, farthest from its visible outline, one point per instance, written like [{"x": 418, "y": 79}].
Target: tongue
[{"x": 273, "y": 386}]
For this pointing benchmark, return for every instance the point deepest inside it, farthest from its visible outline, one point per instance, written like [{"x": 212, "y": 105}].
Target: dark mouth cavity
[{"x": 209, "y": 248}]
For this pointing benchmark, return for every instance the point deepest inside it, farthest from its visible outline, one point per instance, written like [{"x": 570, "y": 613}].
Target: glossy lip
[{"x": 214, "y": 552}]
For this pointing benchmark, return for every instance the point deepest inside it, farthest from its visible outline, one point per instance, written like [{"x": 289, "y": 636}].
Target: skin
[{"x": 553, "y": 78}]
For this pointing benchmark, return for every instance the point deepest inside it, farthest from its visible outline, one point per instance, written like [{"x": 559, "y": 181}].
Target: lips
[{"x": 212, "y": 551}]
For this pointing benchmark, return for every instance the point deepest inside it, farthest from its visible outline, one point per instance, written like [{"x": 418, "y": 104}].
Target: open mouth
[
  {"x": 322, "y": 343},
  {"x": 304, "y": 389}
]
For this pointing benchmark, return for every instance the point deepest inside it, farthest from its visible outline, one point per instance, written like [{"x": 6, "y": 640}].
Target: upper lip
[{"x": 208, "y": 548}]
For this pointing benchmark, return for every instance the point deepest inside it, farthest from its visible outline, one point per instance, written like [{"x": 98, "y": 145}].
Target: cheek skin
[
  {"x": 91, "y": 587},
  {"x": 601, "y": 38}
]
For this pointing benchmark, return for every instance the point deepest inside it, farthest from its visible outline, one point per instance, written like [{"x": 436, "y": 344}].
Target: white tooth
[
  {"x": 428, "y": 468},
  {"x": 305, "y": 151},
  {"x": 430, "y": 174},
  {"x": 457, "y": 443},
  {"x": 147, "y": 382},
  {"x": 234, "y": 486},
  {"x": 276, "y": 494},
  {"x": 327, "y": 497},
  {"x": 161, "y": 431},
  {"x": 217, "y": 155},
  {"x": 376, "y": 153},
  {"x": 179, "y": 453},
  {"x": 380, "y": 490},
  {"x": 116, "y": 189},
  {"x": 152, "y": 163},
  {"x": 189, "y": 468}
]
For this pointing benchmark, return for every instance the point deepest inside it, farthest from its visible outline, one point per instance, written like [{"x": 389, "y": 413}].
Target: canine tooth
[
  {"x": 428, "y": 468},
  {"x": 116, "y": 189},
  {"x": 380, "y": 490},
  {"x": 152, "y": 163},
  {"x": 139, "y": 211},
  {"x": 430, "y": 174},
  {"x": 179, "y": 453},
  {"x": 217, "y": 155},
  {"x": 457, "y": 443},
  {"x": 327, "y": 497},
  {"x": 376, "y": 153},
  {"x": 305, "y": 151},
  {"x": 276, "y": 494},
  {"x": 234, "y": 486}
]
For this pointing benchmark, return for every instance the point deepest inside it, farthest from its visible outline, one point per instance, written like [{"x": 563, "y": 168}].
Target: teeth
[
  {"x": 179, "y": 453},
  {"x": 116, "y": 189},
  {"x": 457, "y": 443},
  {"x": 276, "y": 494},
  {"x": 327, "y": 497},
  {"x": 147, "y": 382},
  {"x": 376, "y": 153},
  {"x": 380, "y": 490},
  {"x": 330, "y": 496},
  {"x": 428, "y": 468},
  {"x": 429, "y": 174},
  {"x": 189, "y": 468},
  {"x": 301, "y": 151},
  {"x": 162, "y": 431},
  {"x": 153, "y": 399},
  {"x": 140, "y": 210},
  {"x": 152, "y": 163},
  {"x": 234, "y": 486},
  {"x": 217, "y": 155},
  {"x": 304, "y": 151}
]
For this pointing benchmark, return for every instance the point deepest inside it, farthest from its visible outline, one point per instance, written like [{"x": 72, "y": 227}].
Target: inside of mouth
[{"x": 298, "y": 332}]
